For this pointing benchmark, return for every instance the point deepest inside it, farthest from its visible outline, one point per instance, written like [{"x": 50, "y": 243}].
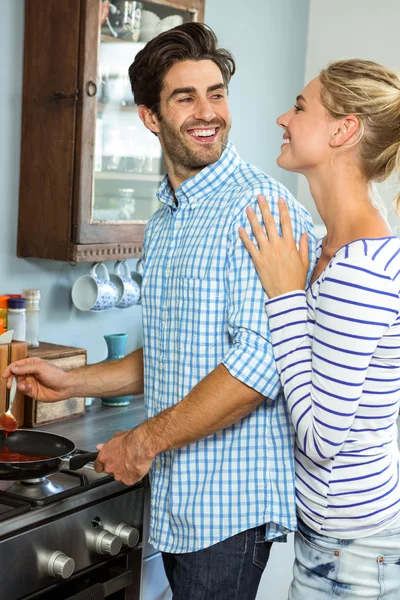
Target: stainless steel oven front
[{"x": 59, "y": 550}]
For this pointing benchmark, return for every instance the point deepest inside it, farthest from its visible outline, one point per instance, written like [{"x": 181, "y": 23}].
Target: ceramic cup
[
  {"x": 128, "y": 289},
  {"x": 95, "y": 292}
]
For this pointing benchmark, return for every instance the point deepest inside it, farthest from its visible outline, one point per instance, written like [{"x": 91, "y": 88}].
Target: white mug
[
  {"x": 128, "y": 289},
  {"x": 94, "y": 292}
]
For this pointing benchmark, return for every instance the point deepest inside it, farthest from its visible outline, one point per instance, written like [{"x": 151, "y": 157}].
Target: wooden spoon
[{"x": 7, "y": 421}]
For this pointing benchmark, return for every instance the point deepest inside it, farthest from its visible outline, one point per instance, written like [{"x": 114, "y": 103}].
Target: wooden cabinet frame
[{"x": 58, "y": 129}]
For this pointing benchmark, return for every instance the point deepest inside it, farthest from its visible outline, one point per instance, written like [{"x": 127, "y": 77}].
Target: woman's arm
[{"x": 324, "y": 372}]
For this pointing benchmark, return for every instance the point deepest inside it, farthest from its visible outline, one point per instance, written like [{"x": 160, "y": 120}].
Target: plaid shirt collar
[{"x": 200, "y": 186}]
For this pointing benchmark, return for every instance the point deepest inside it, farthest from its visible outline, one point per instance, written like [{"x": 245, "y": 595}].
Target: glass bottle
[
  {"x": 16, "y": 318},
  {"x": 32, "y": 298}
]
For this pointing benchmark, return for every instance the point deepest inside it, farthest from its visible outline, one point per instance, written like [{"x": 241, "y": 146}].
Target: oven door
[{"x": 120, "y": 579}]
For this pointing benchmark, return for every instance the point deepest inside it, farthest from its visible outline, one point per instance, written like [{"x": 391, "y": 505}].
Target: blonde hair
[{"x": 371, "y": 92}]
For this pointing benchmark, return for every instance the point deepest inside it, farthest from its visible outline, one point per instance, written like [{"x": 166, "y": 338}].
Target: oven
[{"x": 69, "y": 533}]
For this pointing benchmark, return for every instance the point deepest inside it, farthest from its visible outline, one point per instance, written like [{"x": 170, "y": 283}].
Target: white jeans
[{"x": 327, "y": 568}]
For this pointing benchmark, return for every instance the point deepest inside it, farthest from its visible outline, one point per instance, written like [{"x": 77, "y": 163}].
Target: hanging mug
[
  {"x": 95, "y": 292},
  {"x": 128, "y": 289}
]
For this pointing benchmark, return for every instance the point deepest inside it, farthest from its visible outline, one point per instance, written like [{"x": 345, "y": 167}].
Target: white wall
[{"x": 366, "y": 29}]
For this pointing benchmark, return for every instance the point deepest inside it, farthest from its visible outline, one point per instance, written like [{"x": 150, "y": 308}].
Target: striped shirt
[
  {"x": 337, "y": 349},
  {"x": 203, "y": 305}
]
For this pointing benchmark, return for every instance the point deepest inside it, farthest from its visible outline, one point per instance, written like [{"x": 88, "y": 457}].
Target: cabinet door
[
  {"x": 119, "y": 162},
  {"x": 50, "y": 97}
]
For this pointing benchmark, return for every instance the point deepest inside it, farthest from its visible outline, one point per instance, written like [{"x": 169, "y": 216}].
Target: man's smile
[{"x": 204, "y": 135}]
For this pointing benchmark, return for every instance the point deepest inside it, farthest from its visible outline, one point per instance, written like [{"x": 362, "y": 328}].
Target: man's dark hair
[{"x": 191, "y": 41}]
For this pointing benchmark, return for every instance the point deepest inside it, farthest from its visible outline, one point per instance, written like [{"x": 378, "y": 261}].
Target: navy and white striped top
[{"x": 337, "y": 349}]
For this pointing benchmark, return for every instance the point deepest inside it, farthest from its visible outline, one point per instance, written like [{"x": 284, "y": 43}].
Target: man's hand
[
  {"x": 39, "y": 379},
  {"x": 125, "y": 456}
]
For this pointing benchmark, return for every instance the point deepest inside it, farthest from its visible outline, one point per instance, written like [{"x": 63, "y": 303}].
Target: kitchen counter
[{"x": 99, "y": 423}]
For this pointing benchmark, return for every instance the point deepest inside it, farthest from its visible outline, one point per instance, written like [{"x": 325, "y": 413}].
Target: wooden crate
[
  {"x": 66, "y": 357},
  {"x": 8, "y": 354}
]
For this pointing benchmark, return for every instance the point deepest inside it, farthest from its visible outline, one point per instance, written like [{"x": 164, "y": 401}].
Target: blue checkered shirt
[{"x": 203, "y": 305}]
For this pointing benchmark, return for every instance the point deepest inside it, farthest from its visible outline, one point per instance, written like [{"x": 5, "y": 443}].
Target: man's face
[{"x": 195, "y": 120}]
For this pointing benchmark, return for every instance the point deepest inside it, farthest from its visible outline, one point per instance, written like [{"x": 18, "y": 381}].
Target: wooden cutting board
[{"x": 66, "y": 357}]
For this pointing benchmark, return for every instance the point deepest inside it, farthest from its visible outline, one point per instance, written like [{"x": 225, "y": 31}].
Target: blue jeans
[
  {"x": 229, "y": 570},
  {"x": 361, "y": 569}
]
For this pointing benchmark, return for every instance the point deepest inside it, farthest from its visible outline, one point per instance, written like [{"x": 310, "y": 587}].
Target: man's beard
[{"x": 181, "y": 153}]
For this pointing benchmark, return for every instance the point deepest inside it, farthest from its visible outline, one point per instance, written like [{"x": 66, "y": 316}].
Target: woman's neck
[{"x": 344, "y": 202}]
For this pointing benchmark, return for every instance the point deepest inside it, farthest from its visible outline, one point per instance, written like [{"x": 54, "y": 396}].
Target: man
[{"x": 217, "y": 438}]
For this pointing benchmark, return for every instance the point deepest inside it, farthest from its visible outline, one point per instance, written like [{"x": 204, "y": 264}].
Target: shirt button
[
  {"x": 164, "y": 316},
  {"x": 178, "y": 225},
  {"x": 167, "y": 272},
  {"x": 161, "y": 367}
]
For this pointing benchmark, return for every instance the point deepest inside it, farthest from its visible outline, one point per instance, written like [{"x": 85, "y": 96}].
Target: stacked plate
[{"x": 152, "y": 25}]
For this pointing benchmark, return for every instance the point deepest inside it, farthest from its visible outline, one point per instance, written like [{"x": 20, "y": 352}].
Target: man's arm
[
  {"x": 217, "y": 401},
  {"x": 48, "y": 383}
]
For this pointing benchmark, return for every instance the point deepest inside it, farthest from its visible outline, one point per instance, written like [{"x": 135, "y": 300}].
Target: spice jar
[
  {"x": 3, "y": 310},
  {"x": 16, "y": 318},
  {"x": 32, "y": 298}
]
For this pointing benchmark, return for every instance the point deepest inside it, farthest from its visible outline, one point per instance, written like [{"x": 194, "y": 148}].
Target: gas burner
[
  {"x": 53, "y": 488},
  {"x": 34, "y": 489}
]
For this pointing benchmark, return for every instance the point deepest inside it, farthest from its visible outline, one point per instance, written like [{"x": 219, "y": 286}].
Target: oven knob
[
  {"x": 128, "y": 535},
  {"x": 107, "y": 543},
  {"x": 60, "y": 565}
]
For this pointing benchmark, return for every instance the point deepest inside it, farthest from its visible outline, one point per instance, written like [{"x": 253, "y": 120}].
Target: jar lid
[
  {"x": 4, "y": 301},
  {"x": 31, "y": 294},
  {"x": 2, "y": 330},
  {"x": 16, "y": 303}
]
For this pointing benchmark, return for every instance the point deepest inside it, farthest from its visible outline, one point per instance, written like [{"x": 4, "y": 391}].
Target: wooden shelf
[{"x": 128, "y": 176}]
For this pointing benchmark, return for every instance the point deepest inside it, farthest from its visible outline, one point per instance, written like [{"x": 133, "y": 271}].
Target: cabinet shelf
[
  {"x": 110, "y": 39},
  {"x": 114, "y": 106},
  {"x": 128, "y": 176}
]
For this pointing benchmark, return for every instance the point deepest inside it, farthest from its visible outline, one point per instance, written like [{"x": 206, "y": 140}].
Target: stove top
[{"x": 17, "y": 497}]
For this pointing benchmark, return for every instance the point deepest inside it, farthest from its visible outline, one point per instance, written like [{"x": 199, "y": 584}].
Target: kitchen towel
[{"x": 95, "y": 592}]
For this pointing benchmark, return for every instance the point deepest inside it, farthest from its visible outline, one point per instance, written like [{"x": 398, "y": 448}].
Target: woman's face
[{"x": 308, "y": 131}]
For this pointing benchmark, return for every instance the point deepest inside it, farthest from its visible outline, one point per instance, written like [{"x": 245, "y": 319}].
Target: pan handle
[{"x": 80, "y": 460}]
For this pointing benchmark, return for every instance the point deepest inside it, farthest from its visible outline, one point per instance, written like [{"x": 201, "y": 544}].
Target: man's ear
[
  {"x": 344, "y": 130},
  {"x": 149, "y": 118}
]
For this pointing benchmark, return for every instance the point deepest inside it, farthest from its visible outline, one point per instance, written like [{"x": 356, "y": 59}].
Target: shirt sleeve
[
  {"x": 251, "y": 359},
  {"x": 323, "y": 363}
]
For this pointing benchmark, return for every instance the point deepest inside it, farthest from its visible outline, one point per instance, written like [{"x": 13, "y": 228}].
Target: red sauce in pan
[{"x": 7, "y": 455}]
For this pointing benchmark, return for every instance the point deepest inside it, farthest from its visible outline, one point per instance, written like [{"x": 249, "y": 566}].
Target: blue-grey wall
[{"x": 268, "y": 39}]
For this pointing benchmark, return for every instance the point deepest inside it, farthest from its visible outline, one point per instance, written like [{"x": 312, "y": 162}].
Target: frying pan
[{"x": 26, "y": 441}]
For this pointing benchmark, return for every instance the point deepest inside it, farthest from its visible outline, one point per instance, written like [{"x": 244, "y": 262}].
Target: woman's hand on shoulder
[{"x": 281, "y": 267}]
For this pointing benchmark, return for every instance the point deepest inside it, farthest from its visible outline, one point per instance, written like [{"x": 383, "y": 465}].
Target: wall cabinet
[{"x": 89, "y": 168}]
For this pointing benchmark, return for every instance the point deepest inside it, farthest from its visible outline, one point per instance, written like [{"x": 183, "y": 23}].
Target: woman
[{"x": 337, "y": 344}]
